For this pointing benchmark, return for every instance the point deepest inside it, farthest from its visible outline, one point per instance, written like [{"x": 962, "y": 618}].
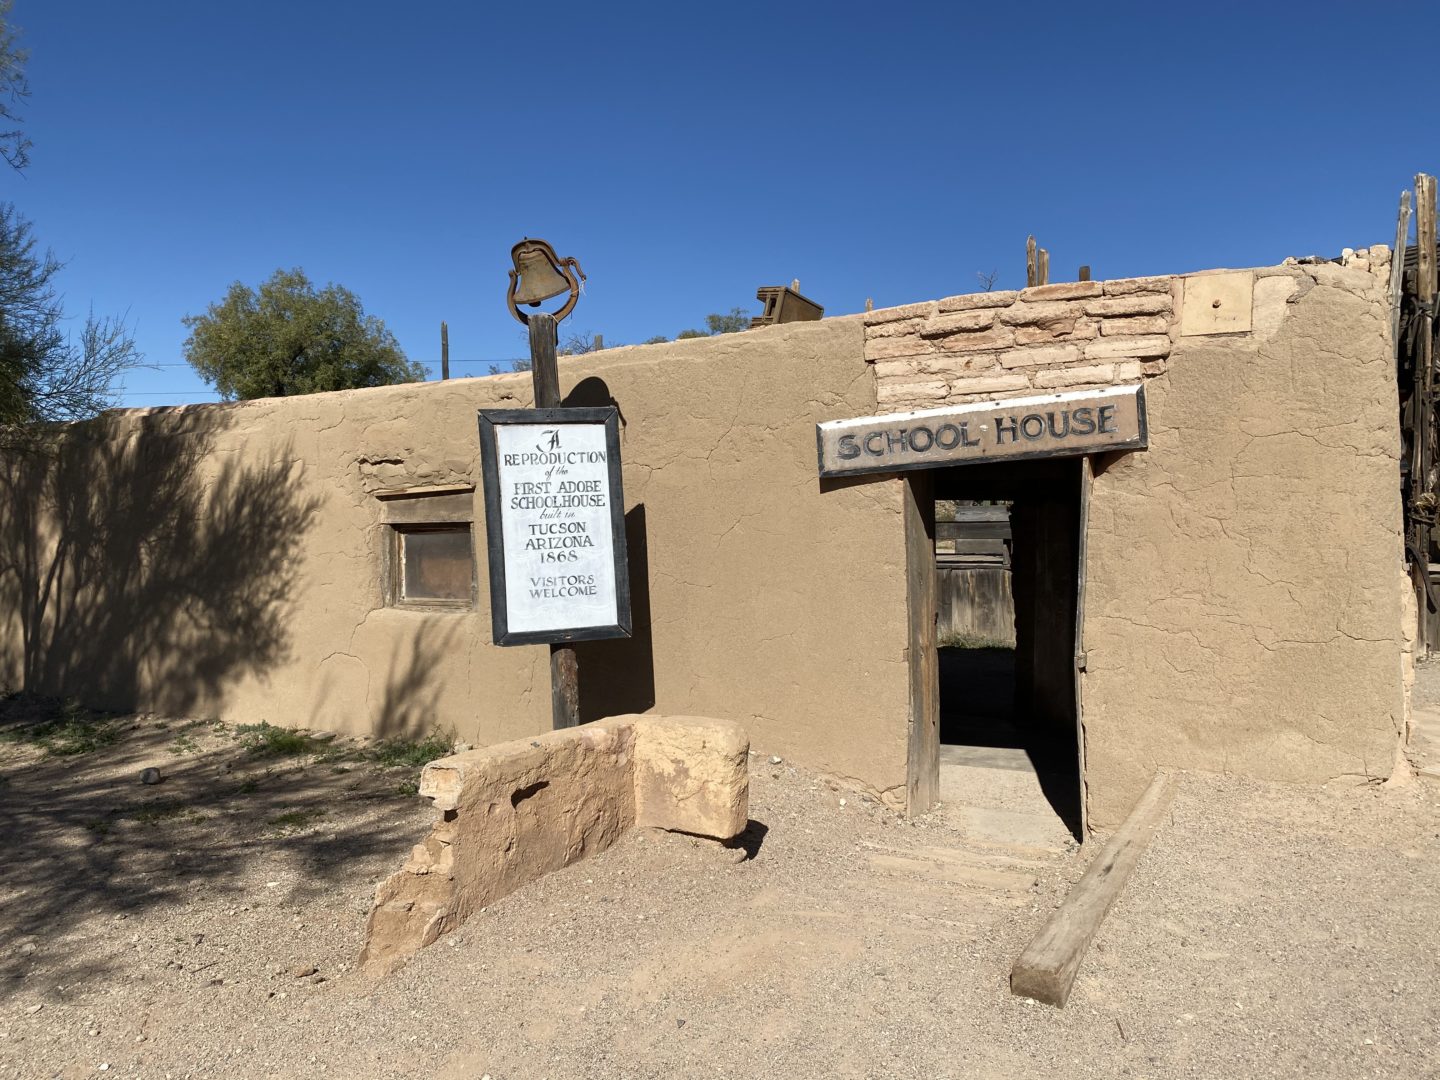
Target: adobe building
[{"x": 1218, "y": 583}]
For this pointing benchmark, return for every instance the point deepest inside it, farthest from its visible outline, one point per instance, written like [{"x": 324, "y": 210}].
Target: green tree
[
  {"x": 735, "y": 320},
  {"x": 289, "y": 338},
  {"x": 515, "y": 365},
  {"x": 14, "y": 89},
  {"x": 45, "y": 373}
]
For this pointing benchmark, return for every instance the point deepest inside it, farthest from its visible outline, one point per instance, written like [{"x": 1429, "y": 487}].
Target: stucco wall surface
[
  {"x": 1245, "y": 591},
  {"x": 226, "y": 560},
  {"x": 1243, "y": 607}
]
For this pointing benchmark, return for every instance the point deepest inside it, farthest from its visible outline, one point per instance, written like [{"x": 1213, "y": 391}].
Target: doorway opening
[{"x": 1008, "y": 565}]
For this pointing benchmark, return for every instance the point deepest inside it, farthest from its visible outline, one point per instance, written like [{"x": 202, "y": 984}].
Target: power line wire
[{"x": 427, "y": 363}]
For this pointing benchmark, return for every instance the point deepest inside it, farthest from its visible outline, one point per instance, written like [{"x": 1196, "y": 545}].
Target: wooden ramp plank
[{"x": 1046, "y": 969}]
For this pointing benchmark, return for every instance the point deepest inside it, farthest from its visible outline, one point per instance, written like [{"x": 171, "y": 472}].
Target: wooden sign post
[
  {"x": 554, "y": 511},
  {"x": 564, "y": 664},
  {"x": 555, "y": 525}
]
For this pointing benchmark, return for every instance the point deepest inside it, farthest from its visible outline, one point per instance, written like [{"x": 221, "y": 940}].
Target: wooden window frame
[{"x": 421, "y": 510}]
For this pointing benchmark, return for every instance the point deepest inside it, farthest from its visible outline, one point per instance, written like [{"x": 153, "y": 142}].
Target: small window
[
  {"x": 437, "y": 565},
  {"x": 429, "y": 553}
]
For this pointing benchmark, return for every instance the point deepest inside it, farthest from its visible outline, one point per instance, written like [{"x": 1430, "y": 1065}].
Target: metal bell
[
  {"x": 540, "y": 274},
  {"x": 540, "y": 277}
]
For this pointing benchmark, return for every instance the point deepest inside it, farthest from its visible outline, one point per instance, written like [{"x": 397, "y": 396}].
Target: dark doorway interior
[{"x": 1016, "y": 707}]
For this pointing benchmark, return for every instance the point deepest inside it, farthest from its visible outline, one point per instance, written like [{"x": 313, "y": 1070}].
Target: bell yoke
[{"x": 541, "y": 274}]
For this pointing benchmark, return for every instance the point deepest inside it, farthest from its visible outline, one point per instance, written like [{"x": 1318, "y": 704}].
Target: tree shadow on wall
[
  {"x": 135, "y": 569},
  {"x": 411, "y": 703}
]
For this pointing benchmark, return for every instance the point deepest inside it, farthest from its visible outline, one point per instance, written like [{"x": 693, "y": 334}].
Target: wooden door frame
[
  {"x": 1087, "y": 482},
  {"x": 922, "y": 782},
  {"x": 922, "y": 609}
]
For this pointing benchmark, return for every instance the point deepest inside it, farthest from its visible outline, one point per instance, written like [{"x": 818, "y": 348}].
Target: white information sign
[{"x": 557, "y": 560}]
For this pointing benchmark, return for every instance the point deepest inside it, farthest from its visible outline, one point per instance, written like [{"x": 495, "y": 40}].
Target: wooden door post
[
  {"x": 564, "y": 665},
  {"x": 1423, "y": 463}
]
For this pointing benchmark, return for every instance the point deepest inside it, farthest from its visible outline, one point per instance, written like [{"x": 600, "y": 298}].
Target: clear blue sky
[{"x": 688, "y": 153}]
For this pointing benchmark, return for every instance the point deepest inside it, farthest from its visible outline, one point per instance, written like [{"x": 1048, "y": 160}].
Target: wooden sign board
[
  {"x": 555, "y": 525},
  {"x": 1050, "y": 425}
]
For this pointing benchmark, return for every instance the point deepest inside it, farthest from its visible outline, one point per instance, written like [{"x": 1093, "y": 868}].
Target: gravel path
[{"x": 1270, "y": 931}]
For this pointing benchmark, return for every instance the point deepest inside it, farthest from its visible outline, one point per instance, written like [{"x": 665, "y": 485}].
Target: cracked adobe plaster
[
  {"x": 1243, "y": 606},
  {"x": 1245, "y": 593}
]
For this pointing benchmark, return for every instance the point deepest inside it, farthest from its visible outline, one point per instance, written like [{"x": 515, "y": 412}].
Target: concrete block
[
  {"x": 1045, "y": 313},
  {"x": 1061, "y": 290},
  {"x": 971, "y": 301},
  {"x": 897, "y": 369},
  {"x": 1141, "y": 304},
  {"x": 997, "y": 337},
  {"x": 959, "y": 322},
  {"x": 989, "y": 384},
  {"x": 1075, "y": 376},
  {"x": 907, "y": 311},
  {"x": 897, "y": 328},
  {"x": 691, "y": 775},
  {"x": 890, "y": 348},
  {"x": 1078, "y": 329},
  {"x": 1135, "y": 325},
  {"x": 1217, "y": 303},
  {"x": 1134, "y": 285},
  {"x": 948, "y": 365},
  {"x": 1042, "y": 335},
  {"x": 1118, "y": 347},
  {"x": 1041, "y": 355}
]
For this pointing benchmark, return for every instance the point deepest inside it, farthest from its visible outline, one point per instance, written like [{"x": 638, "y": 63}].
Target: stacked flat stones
[{"x": 1067, "y": 336}]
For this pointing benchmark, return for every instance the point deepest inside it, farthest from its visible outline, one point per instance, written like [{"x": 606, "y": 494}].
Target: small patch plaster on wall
[{"x": 1243, "y": 610}]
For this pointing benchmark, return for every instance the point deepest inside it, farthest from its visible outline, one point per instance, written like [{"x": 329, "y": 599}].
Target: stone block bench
[{"x": 512, "y": 812}]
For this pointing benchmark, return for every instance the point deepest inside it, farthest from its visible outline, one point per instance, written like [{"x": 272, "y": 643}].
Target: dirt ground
[{"x": 169, "y": 930}]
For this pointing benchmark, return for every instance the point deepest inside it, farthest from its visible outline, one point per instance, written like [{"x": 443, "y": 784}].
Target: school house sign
[{"x": 1050, "y": 425}]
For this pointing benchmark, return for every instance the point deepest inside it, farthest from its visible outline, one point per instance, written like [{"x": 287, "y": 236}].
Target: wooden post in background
[
  {"x": 564, "y": 666},
  {"x": 1397, "y": 267},
  {"x": 444, "y": 350},
  {"x": 1037, "y": 264},
  {"x": 1423, "y": 462}
]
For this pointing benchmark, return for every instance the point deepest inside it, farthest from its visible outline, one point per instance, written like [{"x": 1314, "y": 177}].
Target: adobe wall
[
  {"x": 1244, "y": 602},
  {"x": 1245, "y": 592},
  {"x": 1244, "y": 611},
  {"x": 230, "y": 559}
]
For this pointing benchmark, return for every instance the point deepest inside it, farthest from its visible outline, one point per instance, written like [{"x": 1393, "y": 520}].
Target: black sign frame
[{"x": 490, "y": 419}]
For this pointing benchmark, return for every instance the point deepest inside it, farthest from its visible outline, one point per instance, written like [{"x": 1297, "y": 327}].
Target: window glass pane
[{"x": 439, "y": 564}]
